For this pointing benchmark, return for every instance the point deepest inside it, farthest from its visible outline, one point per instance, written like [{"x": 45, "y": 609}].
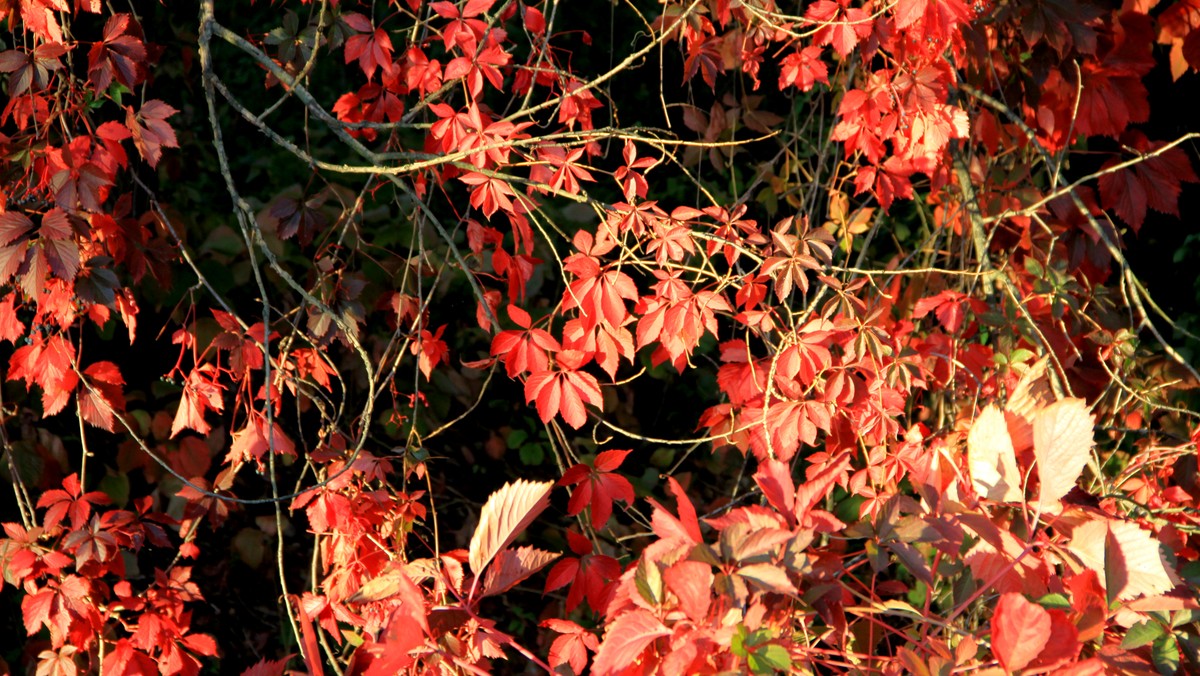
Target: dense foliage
[{"x": 684, "y": 337}]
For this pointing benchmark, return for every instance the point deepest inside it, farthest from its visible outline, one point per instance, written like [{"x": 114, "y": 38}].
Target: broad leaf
[
  {"x": 1133, "y": 565},
  {"x": 513, "y": 566},
  {"x": 1020, "y": 629},
  {"x": 627, "y": 637},
  {"x": 507, "y": 512},
  {"x": 1062, "y": 442},
  {"x": 993, "y": 463}
]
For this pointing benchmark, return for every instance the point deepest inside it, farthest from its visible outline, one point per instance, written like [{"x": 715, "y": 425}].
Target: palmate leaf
[{"x": 507, "y": 512}]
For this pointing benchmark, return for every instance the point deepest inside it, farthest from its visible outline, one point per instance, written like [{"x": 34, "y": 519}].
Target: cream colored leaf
[
  {"x": 1133, "y": 563},
  {"x": 1087, "y": 543},
  {"x": 991, "y": 458},
  {"x": 1062, "y": 441},
  {"x": 507, "y": 512},
  {"x": 1127, "y": 558},
  {"x": 1030, "y": 396}
]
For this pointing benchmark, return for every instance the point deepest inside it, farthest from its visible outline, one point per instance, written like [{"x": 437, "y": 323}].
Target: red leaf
[
  {"x": 909, "y": 11},
  {"x": 125, "y": 660},
  {"x": 150, "y": 129},
  {"x": 1020, "y": 629},
  {"x": 803, "y": 69},
  {"x": 430, "y": 350},
  {"x": 591, "y": 576},
  {"x": 686, "y": 528},
  {"x": 566, "y": 391},
  {"x": 201, "y": 393},
  {"x": 119, "y": 55},
  {"x": 11, "y": 328},
  {"x": 947, "y": 305},
  {"x": 255, "y": 439},
  {"x": 625, "y": 640},
  {"x": 1062, "y": 645},
  {"x": 1154, "y": 183},
  {"x": 266, "y": 667},
  {"x": 598, "y": 487},
  {"x": 571, "y": 648},
  {"x": 99, "y": 404},
  {"x": 372, "y": 48},
  {"x": 535, "y": 22},
  {"x": 692, "y": 583}
]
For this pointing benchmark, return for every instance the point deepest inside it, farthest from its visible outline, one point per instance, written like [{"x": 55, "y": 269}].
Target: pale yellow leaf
[
  {"x": 507, "y": 512},
  {"x": 991, "y": 459},
  {"x": 1062, "y": 442},
  {"x": 1087, "y": 543},
  {"x": 1031, "y": 395},
  {"x": 1133, "y": 563}
]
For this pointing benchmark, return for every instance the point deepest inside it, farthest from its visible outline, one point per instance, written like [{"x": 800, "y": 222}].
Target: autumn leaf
[
  {"x": 686, "y": 527},
  {"x": 370, "y": 46},
  {"x": 507, "y": 512},
  {"x": 512, "y": 566},
  {"x": 101, "y": 395},
  {"x": 947, "y": 306},
  {"x": 692, "y": 584},
  {"x": 150, "y": 129},
  {"x": 626, "y": 638},
  {"x": 121, "y": 54},
  {"x": 32, "y": 69},
  {"x": 571, "y": 647},
  {"x": 430, "y": 350},
  {"x": 1134, "y": 564},
  {"x": 1020, "y": 629},
  {"x": 201, "y": 393},
  {"x": 1127, "y": 558},
  {"x": 802, "y": 69},
  {"x": 70, "y": 500},
  {"x": 265, "y": 667},
  {"x": 524, "y": 350},
  {"x": 590, "y": 575},
  {"x": 992, "y": 461},
  {"x": 564, "y": 391},
  {"x": 1062, "y": 443},
  {"x": 256, "y": 439},
  {"x": 1154, "y": 182},
  {"x": 598, "y": 486}
]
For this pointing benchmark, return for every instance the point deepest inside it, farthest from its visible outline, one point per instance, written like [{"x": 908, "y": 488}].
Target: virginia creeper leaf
[{"x": 507, "y": 512}]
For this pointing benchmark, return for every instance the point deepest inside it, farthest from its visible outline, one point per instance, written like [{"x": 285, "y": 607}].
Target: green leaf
[
  {"x": 532, "y": 454},
  {"x": 516, "y": 438},
  {"x": 1165, "y": 654},
  {"x": 1141, "y": 634},
  {"x": 1020, "y": 355},
  {"x": 648, "y": 580},
  {"x": 1053, "y": 601},
  {"x": 116, "y": 487},
  {"x": 737, "y": 643},
  {"x": 774, "y": 657}
]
